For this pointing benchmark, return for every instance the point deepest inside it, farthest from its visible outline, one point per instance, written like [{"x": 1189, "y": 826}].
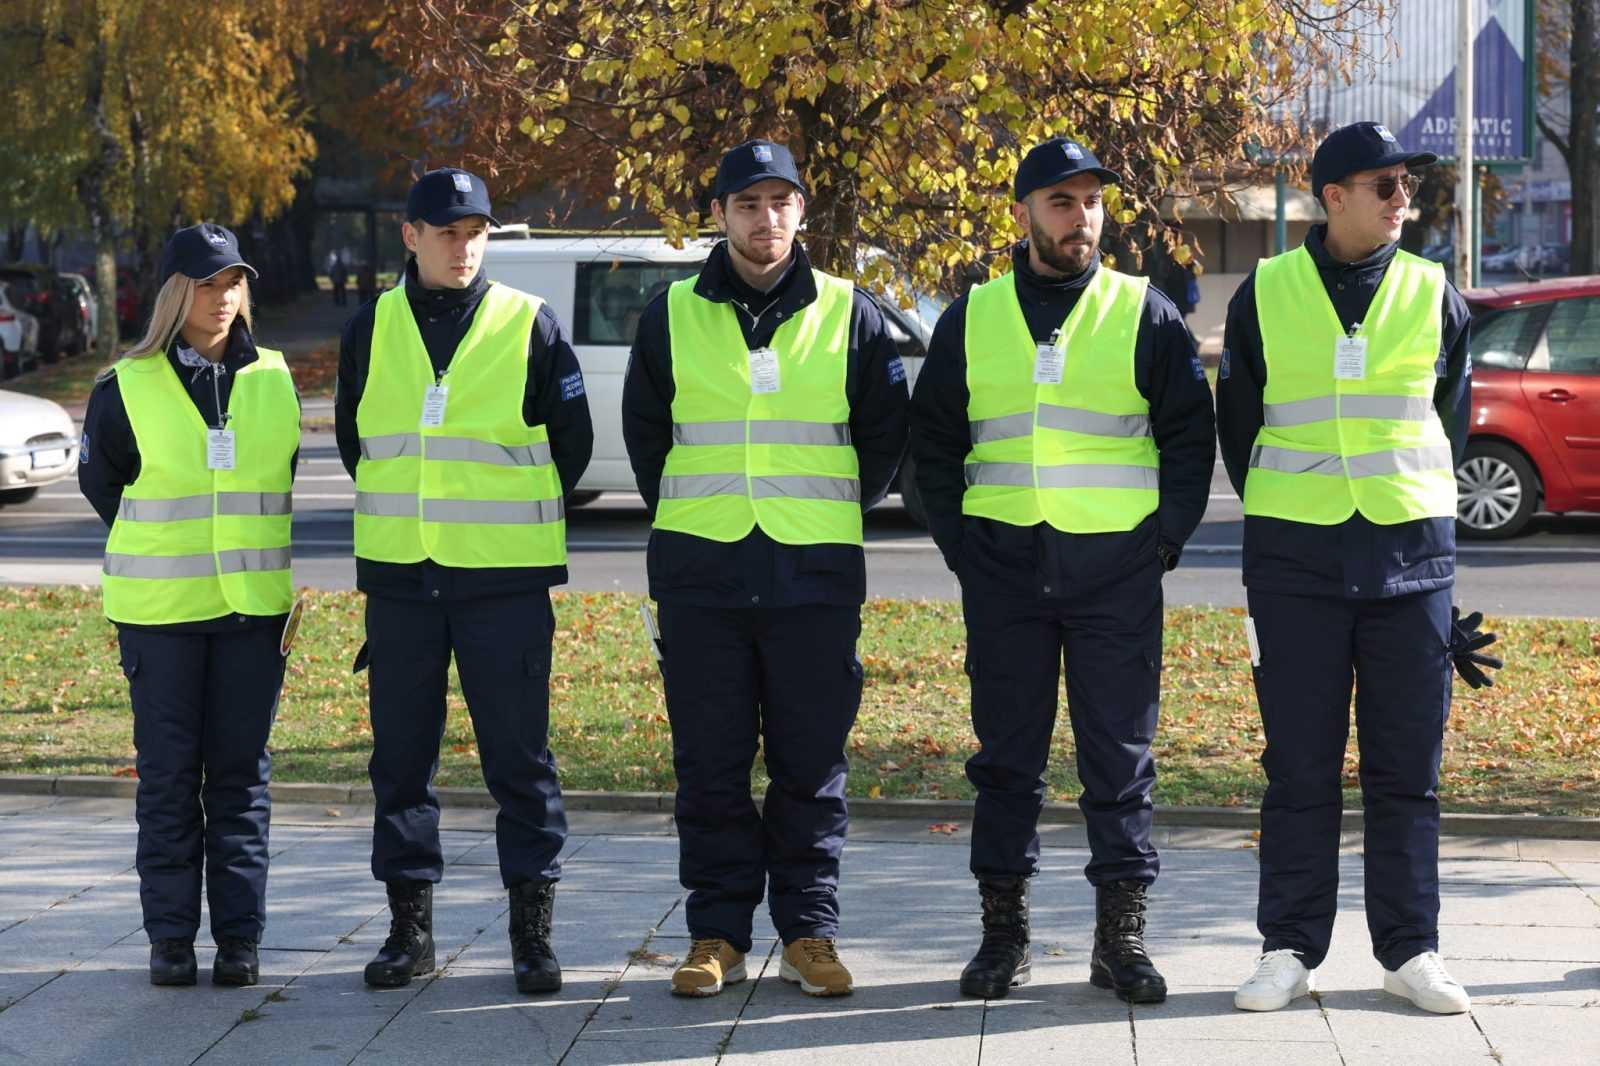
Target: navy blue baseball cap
[
  {"x": 1057, "y": 160},
  {"x": 442, "y": 196},
  {"x": 1360, "y": 146},
  {"x": 754, "y": 161},
  {"x": 202, "y": 251}
]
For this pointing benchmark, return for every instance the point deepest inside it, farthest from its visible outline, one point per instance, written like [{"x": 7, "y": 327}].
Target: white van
[{"x": 599, "y": 285}]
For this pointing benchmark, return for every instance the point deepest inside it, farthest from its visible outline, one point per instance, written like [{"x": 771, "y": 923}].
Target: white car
[
  {"x": 85, "y": 291},
  {"x": 19, "y": 336},
  {"x": 599, "y": 286},
  {"x": 38, "y": 445}
]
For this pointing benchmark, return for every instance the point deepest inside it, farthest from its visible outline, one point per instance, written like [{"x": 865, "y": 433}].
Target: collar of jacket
[
  {"x": 240, "y": 352},
  {"x": 1327, "y": 264},
  {"x": 435, "y": 302},
  {"x": 720, "y": 283},
  {"x": 1043, "y": 289}
]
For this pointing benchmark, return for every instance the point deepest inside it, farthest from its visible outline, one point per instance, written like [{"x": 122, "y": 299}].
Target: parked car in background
[
  {"x": 87, "y": 305},
  {"x": 1534, "y": 443},
  {"x": 1505, "y": 261},
  {"x": 54, "y": 302},
  {"x": 38, "y": 445},
  {"x": 19, "y": 336}
]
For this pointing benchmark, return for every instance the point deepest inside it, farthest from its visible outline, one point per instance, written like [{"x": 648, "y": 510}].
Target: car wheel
[
  {"x": 1496, "y": 491},
  {"x": 909, "y": 495},
  {"x": 9, "y": 496}
]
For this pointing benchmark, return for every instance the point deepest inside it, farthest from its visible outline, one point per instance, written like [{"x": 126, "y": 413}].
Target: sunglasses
[{"x": 1384, "y": 188}]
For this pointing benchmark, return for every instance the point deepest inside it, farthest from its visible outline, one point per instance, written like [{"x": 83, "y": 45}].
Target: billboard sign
[{"x": 1411, "y": 86}]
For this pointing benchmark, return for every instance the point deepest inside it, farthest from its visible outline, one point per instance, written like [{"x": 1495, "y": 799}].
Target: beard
[
  {"x": 762, "y": 254},
  {"x": 1060, "y": 256}
]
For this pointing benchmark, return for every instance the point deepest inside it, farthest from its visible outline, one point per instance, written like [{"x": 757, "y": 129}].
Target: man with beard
[
  {"x": 764, "y": 410},
  {"x": 1062, "y": 433}
]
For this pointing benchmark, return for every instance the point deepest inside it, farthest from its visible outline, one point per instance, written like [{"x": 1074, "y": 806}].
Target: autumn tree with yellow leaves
[
  {"x": 129, "y": 117},
  {"x": 908, "y": 117}
]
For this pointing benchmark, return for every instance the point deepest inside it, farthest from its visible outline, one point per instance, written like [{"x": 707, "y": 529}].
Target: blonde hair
[{"x": 170, "y": 311}]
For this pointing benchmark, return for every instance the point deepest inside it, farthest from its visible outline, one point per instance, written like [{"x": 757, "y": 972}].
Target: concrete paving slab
[
  {"x": 1542, "y": 943},
  {"x": 1054, "y": 1019},
  {"x": 1557, "y": 850},
  {"x": 1540, "y": 1036},
  {"x": 1205, "y": 1052},
  {"x": 1526, "y": 904},
  {"x": 325, "y": 1015},
  {"x": 910, "y": 922},
  {"x": 1529, "y": 984},
  {"x": 1370, "y": 1023},
  {"x": 477, "y": 1016}
]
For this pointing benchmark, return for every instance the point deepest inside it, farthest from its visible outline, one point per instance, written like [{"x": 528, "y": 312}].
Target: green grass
[
  {"x": 66, "y": 381},
  {"x": 1532, "y": 743}
]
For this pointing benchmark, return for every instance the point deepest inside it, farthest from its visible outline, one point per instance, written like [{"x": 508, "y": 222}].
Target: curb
[{"x": 1544, "y": 827}]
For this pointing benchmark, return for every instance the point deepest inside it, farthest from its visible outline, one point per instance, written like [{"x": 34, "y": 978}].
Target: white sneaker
[
  {"x": 1280, "y": 978},
  {"x": 1426, "y": 983}
]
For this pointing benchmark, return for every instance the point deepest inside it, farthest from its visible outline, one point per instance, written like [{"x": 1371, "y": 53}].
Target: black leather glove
[{"x": 1465, "y": 640}]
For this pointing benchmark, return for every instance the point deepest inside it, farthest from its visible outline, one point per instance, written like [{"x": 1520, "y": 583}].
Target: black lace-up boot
[
  {"x": 1120, "y": 961},
  {"x": 409, "y": 949},
  {"x": 532, "y": 907},
  {"x": 1004, "y": 959}
]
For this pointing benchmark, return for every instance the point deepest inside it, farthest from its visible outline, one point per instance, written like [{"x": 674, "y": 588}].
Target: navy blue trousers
[
  {"x": 1110, "y": 644},
  {"x": 502, "y": 653},
  {"x": 1396, "y": 652},
  {"x": 785, "y": 680},
  {"x": 203, "y": 705}
]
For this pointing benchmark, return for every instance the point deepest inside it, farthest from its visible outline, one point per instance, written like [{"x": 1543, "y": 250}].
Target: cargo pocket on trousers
[
  {"x": 130, "y": 664},
  {"x": 1145, "y": 715}
]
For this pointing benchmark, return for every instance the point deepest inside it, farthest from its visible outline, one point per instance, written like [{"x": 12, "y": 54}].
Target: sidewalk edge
[{"x": 1452, "y": 823}]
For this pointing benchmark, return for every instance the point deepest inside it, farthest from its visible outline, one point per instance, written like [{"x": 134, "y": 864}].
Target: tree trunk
[
  {"x": 1583, "y": 160},
  {"x": 91, "y": 187},
  {"x": 16, "y": 241}
]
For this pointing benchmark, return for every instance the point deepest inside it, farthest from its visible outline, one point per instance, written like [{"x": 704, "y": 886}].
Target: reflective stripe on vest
[
  {"x": 191, "y": 544},
  {"x": 1330, "y": 446},
  {"x": 481, "y": 490},
  {"x": 1078, "y": 455},
  {"x": 781, "y": 460}
]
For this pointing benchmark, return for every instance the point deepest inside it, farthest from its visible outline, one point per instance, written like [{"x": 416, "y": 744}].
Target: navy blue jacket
[
  {"x": 554, "y": 398},
  {"x": 1039, "y": 560},
  {"x": 108, "y": 460},
  {"x": 758, "y": 571},
  {"x": 1356, "y": 559}
]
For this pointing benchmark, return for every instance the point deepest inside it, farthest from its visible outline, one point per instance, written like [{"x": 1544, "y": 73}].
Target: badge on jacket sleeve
[{"x": 291, "y": 627}]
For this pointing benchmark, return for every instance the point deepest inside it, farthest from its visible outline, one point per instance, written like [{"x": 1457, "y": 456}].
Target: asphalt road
[{"x": 1555, "y": 570}]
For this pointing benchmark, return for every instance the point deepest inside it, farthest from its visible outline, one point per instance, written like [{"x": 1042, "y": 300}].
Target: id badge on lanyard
[
  {"x": 1350, "y": 356},
  {"x": 220, "y": 449},
  {"x": 764, "y": 371},
  {"x": 433, "y": 404}
]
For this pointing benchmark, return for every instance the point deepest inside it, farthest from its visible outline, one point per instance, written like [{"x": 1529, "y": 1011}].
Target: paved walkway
[{"x": 1522, "y": 930}]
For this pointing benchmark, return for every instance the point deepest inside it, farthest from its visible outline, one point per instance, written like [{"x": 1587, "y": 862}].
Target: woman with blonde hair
[{"x": 189, "y": 448}]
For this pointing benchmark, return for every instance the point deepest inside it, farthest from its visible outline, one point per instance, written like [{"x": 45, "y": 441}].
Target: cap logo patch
[
  {"x": 762, "y": 152},
  {"x": 217, "y": 239},
  {"x": 1072, "y": 150},
  {"x": 463, "y": 182},
  {"x": 1383, "y": 131}
]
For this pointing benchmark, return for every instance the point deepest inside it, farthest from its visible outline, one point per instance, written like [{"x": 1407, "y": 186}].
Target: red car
[{"x": 1535, "y": 437}]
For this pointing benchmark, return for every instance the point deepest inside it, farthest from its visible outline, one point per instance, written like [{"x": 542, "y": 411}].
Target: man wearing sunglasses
[{"x": 1343, "y": 400}]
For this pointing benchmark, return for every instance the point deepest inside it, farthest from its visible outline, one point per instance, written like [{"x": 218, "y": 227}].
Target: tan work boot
[
  {"x": 814, "y": 964},
  {"x": 711, "y": 964}
]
